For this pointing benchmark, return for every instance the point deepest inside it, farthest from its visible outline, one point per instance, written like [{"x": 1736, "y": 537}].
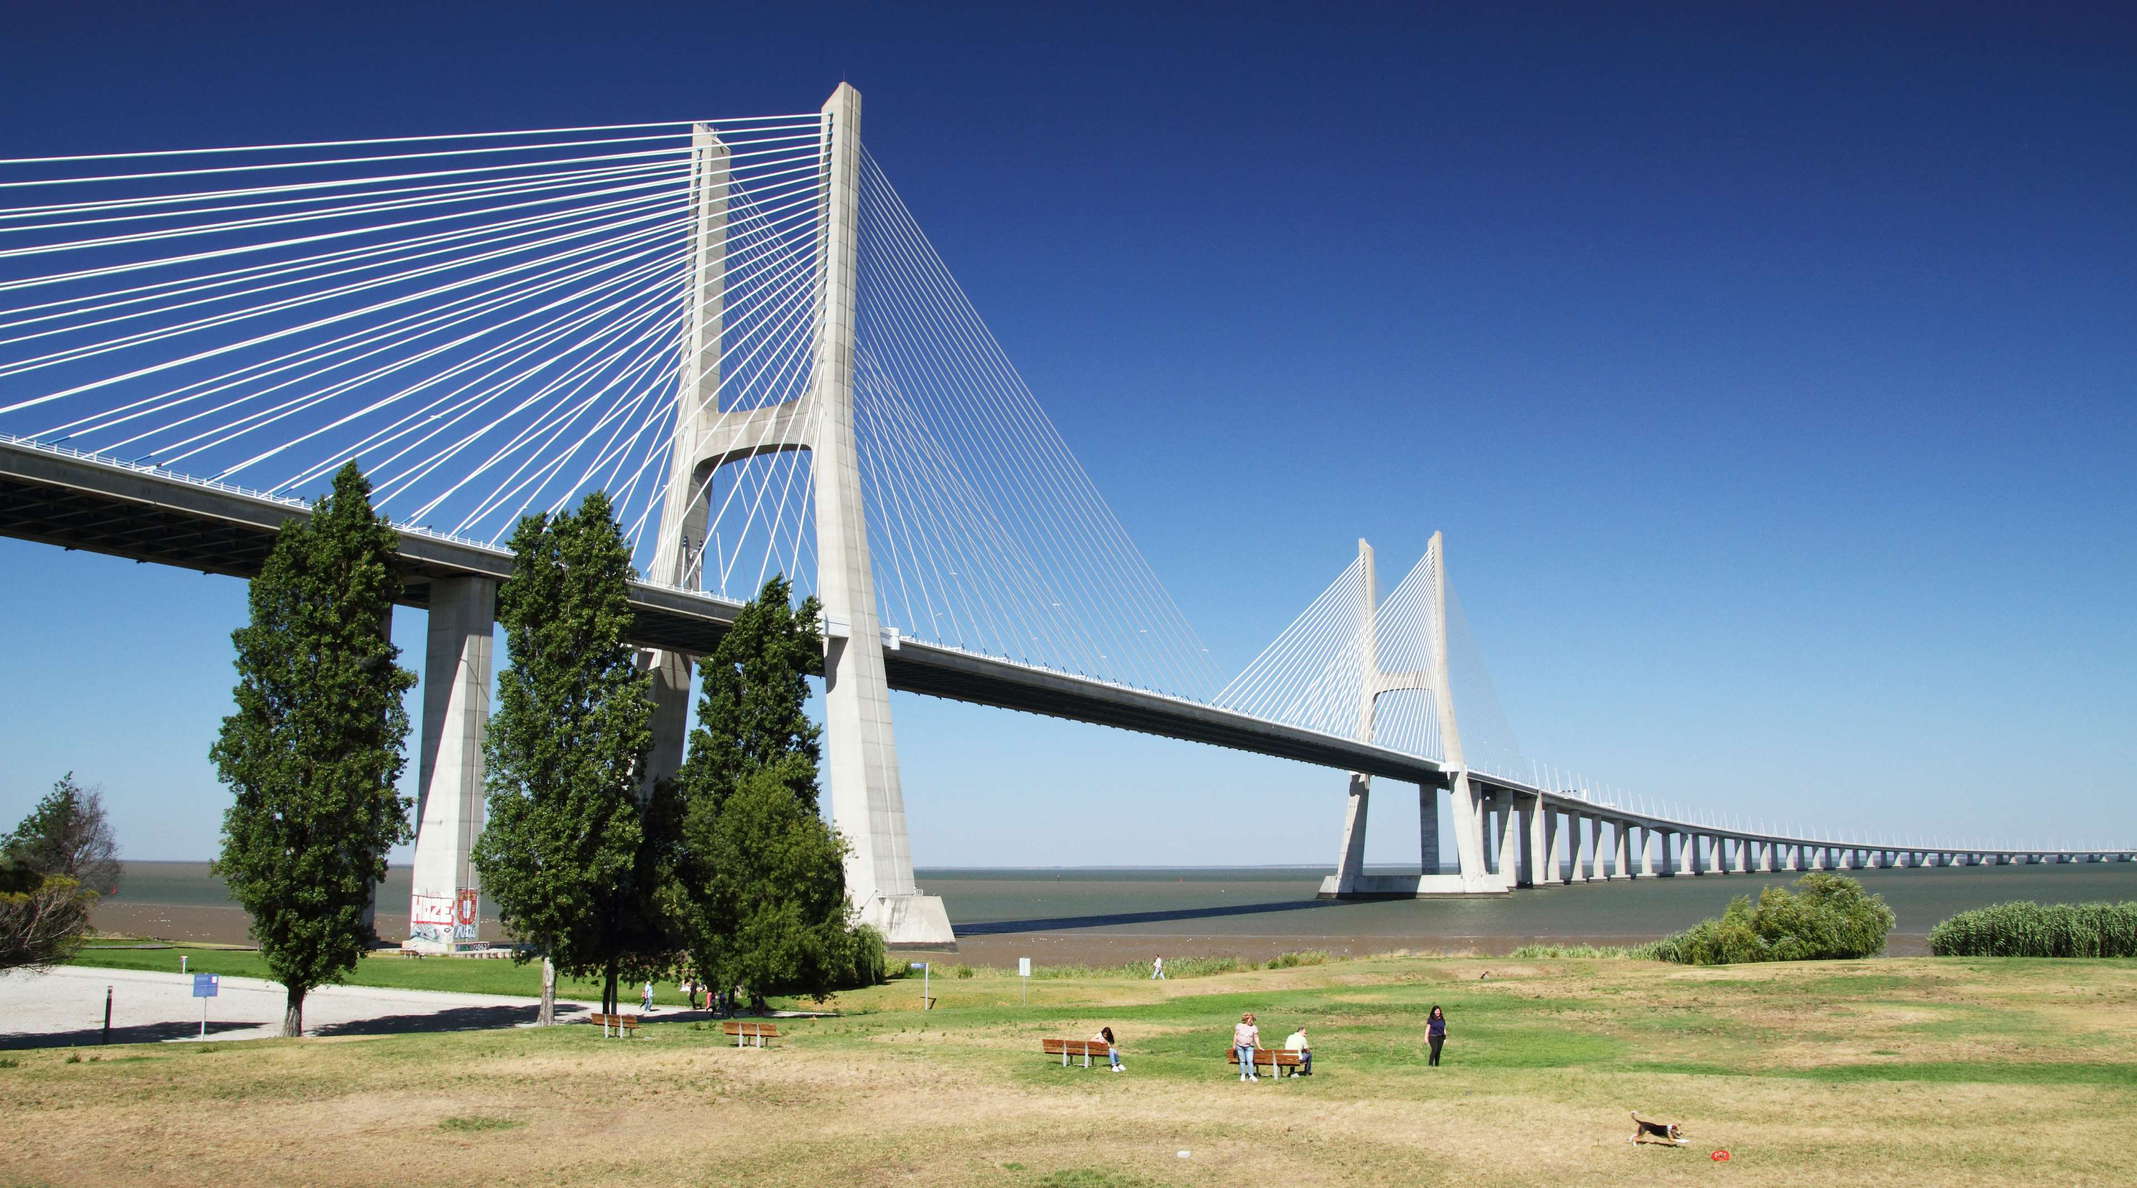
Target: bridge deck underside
[{"x": 100, "y": 507}]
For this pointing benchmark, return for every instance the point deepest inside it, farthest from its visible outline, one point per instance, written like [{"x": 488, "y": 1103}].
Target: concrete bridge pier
[
  {"x": 1511, "y": 834},
  {"x": 1543, "y": 844},
  {"x": 445, "y": 893},
  {"x": 1624, "y": 850},
  {"x": 1665, "y": 841},
  {"x": 1596, "y": 853},
  {"x": 1577, "y": 866},
  {"x": 1647, "y": 857}
]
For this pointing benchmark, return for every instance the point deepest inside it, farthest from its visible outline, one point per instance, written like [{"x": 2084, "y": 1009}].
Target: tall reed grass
[{"x": 2028, "y": 929}]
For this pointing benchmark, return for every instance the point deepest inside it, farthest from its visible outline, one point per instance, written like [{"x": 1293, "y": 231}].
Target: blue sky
[{"x": 1770, "y": 370}]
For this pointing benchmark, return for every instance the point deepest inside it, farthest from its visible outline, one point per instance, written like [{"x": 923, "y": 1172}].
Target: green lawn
[{"x": 1935, "y": 1072}]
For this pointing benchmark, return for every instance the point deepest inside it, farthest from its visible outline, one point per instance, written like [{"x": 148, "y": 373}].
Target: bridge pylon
[
  {"x": 860, "y": 750},
  {"x": 1468, "y": 807}
]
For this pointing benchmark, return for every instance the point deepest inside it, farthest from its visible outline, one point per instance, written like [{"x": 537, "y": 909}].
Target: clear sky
[{"x": 1769, "y": 368}]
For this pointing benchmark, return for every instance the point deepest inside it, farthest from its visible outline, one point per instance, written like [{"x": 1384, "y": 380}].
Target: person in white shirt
[
  {"x": 1157, "y": 969},
  {"x": 1297, "y": 1042}
]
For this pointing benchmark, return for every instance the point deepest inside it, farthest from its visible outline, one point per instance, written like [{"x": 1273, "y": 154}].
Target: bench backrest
[
  {"x": 1060, "y": 1047},
  {"x": 1265, "y": 1056},
  {"x": 733, "y": 1027}
]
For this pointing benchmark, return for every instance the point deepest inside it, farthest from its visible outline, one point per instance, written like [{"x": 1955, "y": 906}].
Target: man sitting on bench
[{"x": 1297, "y": 1043}]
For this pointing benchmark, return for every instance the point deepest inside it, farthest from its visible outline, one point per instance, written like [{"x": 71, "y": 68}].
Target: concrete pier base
[
  {"x": 1402, "y": 886},
  {"x": 913, "y": 921}
]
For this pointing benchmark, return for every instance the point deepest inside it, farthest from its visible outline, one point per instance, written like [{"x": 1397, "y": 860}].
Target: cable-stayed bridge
[{"x": 737, "y": 329}]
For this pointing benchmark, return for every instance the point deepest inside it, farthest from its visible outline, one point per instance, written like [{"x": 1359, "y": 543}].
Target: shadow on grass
[
  {"x": 471, "y": 1018},
  {"x": 139, "y": 1033}
]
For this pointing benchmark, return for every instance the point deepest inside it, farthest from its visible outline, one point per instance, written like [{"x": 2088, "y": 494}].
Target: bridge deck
[{"x": 102, "y": 506}]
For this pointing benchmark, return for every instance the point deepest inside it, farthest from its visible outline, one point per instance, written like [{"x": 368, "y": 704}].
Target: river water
[{"x": 1097, "y": 916}]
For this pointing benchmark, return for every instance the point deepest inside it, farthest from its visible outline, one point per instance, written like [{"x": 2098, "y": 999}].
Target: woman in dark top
[{"x": 1436, "y": 1032}]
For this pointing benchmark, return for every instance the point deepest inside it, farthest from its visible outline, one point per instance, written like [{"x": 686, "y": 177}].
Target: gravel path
[{"x": 64, "y": 1007}]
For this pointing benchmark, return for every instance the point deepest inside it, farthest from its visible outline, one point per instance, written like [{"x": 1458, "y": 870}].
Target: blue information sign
[{"x": 204, "y": 985}]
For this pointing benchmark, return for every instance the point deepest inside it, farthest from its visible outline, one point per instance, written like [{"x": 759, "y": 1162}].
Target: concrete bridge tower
[
  {"x": 1468, "y": 809},
  {"x": 860, "y": 752}
]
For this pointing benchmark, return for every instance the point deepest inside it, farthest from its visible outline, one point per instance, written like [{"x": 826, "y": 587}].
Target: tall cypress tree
[
  {"x": 314, "y": 748},
  {"x": 758, "y": 879},
  {"x": 565, "y": 853}
]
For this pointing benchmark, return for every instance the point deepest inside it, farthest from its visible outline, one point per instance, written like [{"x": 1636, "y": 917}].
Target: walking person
[
  {"x": 1157, "y": 969},
  {"x": 1245, "y": 1038},
  {"x": 1435, "y": 1033},
  {"x": 1105, "y": 1036},
  {"x": 645, "y": 1000}
]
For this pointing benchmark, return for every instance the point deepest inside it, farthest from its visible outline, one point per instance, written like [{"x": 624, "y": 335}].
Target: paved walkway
[{"x": 64, "y": 1007}]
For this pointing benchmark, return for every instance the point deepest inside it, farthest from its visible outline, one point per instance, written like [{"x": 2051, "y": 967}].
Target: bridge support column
[
  {"x": 1428, "y": 829},
  {"x": 860, "y": 751},
  {"x": 444, "y": 892},
  {"x": 1624, "y": 850},
  {"x": 1596, "y": 853},
  {"x": 1350, "y": 862},
  {"x": 1664, "y": 842},
  {"x": 1577, "y": 865},
  {"x": 1743, "y": 855},
  {"x": 1647, "y": 852},
  {"x": 1766, "y": 857},
  {"x": 1528, "y": 863},
  {"x": 1543, "y": 843}
]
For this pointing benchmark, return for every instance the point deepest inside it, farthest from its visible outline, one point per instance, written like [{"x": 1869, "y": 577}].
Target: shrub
[
  {"x": 1826, "y": 916},
  {"x": 1612, "y": 952},
  {"x": 2028, "y": 929}
]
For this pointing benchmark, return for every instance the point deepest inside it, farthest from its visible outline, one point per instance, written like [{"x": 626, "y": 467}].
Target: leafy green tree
[
  {"x": 42, "y": 918},
  {"x": 314, "y": 748},
  {"x": 758, "y": 877},
  {"x": 567, "y": 854},
  {"x": 67, "y": 835}
]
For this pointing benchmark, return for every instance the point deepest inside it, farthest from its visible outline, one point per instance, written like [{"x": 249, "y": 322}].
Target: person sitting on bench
[
  {"x": 1297, "y": 1042},
  {"x": 1105, "y": 1036}
]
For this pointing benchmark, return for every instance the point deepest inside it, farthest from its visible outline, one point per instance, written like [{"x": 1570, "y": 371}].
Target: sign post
[
  {"x": 926, "y": 1003},
  {"x": 1024, "y": 979},
  {"x": 204, "y": 988}
]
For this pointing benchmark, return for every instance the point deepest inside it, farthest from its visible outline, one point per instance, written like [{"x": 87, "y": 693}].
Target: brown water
[{"x": 1105, "y": 915}]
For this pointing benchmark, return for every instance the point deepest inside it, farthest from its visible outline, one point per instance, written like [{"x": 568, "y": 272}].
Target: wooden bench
[
  {"x": 1066, "y": 1048},
  {"x": 745, "y": 1033},
  {"x": 624, "y": 1024},
  {"x": 1277, "y": 1059}
]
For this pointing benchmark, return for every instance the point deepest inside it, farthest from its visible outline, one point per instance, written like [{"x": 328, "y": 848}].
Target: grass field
[{"x": 1938, "y": 1071}]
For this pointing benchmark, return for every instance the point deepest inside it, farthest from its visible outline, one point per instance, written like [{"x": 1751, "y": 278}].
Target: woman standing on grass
[
  {"x": 1105, "y": 1036},
  {"x": 1245, "y": 1038},
  {"x": 1436, "y": 1033}
]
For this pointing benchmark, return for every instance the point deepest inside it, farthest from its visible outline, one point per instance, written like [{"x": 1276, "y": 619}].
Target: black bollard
[{"x": 107, "y": 1015}]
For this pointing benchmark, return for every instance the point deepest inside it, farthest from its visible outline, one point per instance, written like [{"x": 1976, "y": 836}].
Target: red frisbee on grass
[{"x": 1720, "y": 1156}]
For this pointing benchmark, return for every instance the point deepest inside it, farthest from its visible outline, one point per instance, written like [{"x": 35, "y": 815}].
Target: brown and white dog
[{"x": 1661, "y": 1132}]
